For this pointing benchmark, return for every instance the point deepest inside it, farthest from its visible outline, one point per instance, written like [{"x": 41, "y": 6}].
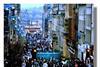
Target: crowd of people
[
  {"x": 41, "y": 45},
  {"x": 38, "y": 42},
  {"x": 27, "y": 58},
  {"x": 54, "y": 63}
]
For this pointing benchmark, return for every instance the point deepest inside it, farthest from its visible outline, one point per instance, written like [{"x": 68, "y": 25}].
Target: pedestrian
[
  {"x": 64, "y": 62},
  {"x": 27, "y": 63},
  {"x": 82, "y": 64},
  {"x": 23, "y": 64},
  {"x": 45, "y": 64},
  {"x": 76, "y": 65},
  {"x": 88, "y": 65},
  {"x": 40, "y": 62},
  {"x": 50, "y": 63}
]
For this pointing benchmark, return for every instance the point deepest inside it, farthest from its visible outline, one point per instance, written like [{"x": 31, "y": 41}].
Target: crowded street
[{"x": 48, "y": 35}]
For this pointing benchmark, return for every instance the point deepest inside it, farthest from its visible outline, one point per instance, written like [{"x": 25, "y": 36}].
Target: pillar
[{"x": 65, "y": 49}]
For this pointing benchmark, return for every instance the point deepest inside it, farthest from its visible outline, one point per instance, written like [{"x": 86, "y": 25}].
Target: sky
[
  {"x": 34, "y": 10},
  {"x": 30, "y": 6}
]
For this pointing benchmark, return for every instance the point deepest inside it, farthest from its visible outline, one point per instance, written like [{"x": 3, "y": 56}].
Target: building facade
[
  {"x": 70, "y": 27},
  {"x": 61, "y": 25},
  {"x": 12, "y": 11},
  {"x": 85, "y": 30}
]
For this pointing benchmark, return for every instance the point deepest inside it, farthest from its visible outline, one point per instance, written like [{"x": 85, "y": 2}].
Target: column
[{"x": 65, "y": 49}]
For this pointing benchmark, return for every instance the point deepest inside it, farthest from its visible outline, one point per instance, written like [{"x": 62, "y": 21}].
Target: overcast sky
[
  {"x": 30, "y": 6},
  {"x": 35, "y": 10}
]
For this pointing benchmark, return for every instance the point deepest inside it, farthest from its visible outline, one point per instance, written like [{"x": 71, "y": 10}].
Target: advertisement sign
[{"x": 48, "y": 55}]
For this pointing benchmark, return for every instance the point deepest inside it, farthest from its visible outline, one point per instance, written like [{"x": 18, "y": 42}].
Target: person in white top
[
  {"x": 45, "y": 64},
  {"x": 64, "y": 62},
  {"x": 24, "y": 64}
]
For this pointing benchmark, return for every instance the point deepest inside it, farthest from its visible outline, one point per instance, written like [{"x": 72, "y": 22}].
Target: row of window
[{"x": 84, "y": 21}]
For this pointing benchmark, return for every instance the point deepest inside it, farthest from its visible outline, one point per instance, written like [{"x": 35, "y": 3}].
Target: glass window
[
  {"x": 81, "y": 25},
  {"x": 61, "y": 7},
  {"x": 81, "y": 10},
  {"x": 88, "y": 11},
  {"x": 88, "y": 20},
  {"x": 81, "y": 17},
  {"x": 88, "y": 36}
]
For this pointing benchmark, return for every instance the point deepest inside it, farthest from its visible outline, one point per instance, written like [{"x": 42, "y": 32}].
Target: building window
[
  {"x": 88, "y": 36},
  {"x": 88, "y": 20},
  {"x": 88, "y": 10},
  {"x": 81, "y": 18}
]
